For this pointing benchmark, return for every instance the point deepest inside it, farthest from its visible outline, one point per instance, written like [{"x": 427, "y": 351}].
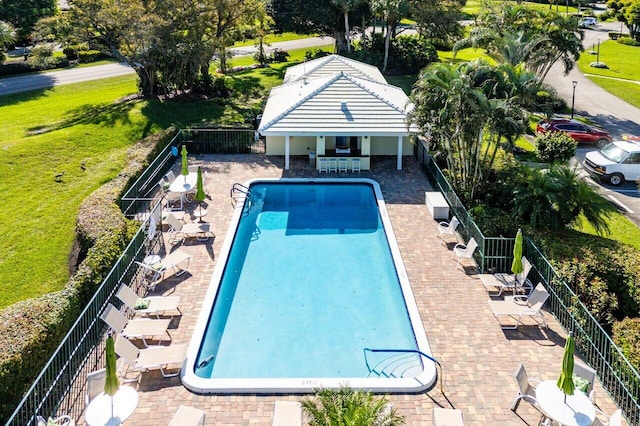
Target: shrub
[
  {"x": 314, "y": 54},
  {"x": 412, "y": 53},
  {"x": 628, "y": 41},
  {"x": 86, "y": 56},
  {"x": 553, "y": 147},
  {"x": 31, "y": 330},
  {"x": 585, "y": 260},
  {"x": 626, "y": 334},
  {"x": 614, "y": 35},
  {"x": 15, "y": 68}
]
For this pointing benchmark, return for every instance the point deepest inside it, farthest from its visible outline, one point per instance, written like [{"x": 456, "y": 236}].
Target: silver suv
[{"x": 617, "y": 162}]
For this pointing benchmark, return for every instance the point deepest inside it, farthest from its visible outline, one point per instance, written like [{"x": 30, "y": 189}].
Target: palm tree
[
  {"x": 555, "y": 198},
  {"x": 348, "y": 407},
  {"x": 345, "y": 7}
]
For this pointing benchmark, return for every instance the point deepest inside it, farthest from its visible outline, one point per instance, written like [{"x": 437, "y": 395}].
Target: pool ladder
[
  {"x": 398, "y": 364},
  {"x": 239, "y": 193}
]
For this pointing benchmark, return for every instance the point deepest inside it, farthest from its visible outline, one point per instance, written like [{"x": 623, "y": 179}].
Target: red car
[{"x": 581, "y": 132}]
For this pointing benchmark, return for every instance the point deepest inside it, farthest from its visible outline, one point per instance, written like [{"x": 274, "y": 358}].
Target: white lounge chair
[
  {"x": 158, "y": 357},
  {"x": 187, "y": 416},
  {"x": 178, "y": 261},
  {"x": 447, "y": 229},
  {"x": 519, "y": 309},
  {"x": 287, "y": 413},
  {"x": 464, "y": 251},
  {"x": 135, "y": 328},
  {"x": 148, "y": 305},
  {"x": 506, "y": 281},
  {"x": 179, "y": 231}
]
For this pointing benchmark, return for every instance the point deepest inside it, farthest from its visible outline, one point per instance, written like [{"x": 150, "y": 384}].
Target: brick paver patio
[{"x": 478, "y": 357}]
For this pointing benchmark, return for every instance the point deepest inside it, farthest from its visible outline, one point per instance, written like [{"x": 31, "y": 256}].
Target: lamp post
[
  {"x": 598, "y": 52},
  {"x": 573, "y": 98}
]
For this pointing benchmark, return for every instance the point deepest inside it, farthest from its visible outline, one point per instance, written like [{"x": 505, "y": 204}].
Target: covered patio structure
[{"x": 339, "y": 110}]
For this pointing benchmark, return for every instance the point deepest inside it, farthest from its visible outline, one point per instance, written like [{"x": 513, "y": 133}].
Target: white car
[
  {"x": 587, "y": 21},
  {"x": 617, "y": 162}
]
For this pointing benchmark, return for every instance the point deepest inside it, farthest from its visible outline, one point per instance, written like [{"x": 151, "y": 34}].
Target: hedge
[{"x": 31, "y": 330}]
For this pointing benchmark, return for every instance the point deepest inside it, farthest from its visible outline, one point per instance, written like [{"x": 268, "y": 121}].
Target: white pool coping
[{"x": 425, "y": 380}]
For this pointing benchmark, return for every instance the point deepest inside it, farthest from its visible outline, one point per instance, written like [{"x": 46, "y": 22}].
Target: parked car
[
  {"x": 587, "y": 22},
  {"x": 581, "y": 132},
  {"x": 617, "y": 162}
]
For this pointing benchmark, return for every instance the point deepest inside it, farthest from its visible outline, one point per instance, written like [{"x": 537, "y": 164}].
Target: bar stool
[
  {"x": 342, "y": 165},
  {"x": 333, "y": 165},
  {"x": 355, "y": 165},
  {"x": 322, "y": 165}
]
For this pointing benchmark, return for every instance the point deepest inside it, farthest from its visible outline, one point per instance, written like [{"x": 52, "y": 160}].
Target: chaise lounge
[
  {"x": 521, "y": 308},
  {"x": 159, "y": 357},
  {"x": 155, "y": 272},
  {"x": 505, "y": 281},
  {"x": 136, "y": 328},
  {"x": 149, "y": 305},
  {"x": 179, "y": 231}
]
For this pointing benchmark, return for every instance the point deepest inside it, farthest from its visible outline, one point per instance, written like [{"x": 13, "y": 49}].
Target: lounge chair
[
  {"x": 287, "y": 413},
  {"x": 187, "y": 416},
  {"x": 464, "y": 251},
  {"x": 614, "y": 420},
  {"x": 179, "y": 231},
  {"x": 447, "y": 417},
  {"x": 178, "y": 261},
  {"x": 158, "y": 357},
  {"x": 148, "y": 305},
  {"x": 505, "y": 281},
  {"x": 447, "y": 229},
  {"x": 135, "y": 328},
  {"x": 519, "y": 309}
]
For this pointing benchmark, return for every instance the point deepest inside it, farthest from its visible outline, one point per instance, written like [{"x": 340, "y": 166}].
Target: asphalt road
[
  {"x": 608, "y": 111},
  {"x": 45, "y": 80}
]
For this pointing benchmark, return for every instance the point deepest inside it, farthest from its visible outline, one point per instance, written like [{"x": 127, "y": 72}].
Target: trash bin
[{"x": 312, "y": 158}]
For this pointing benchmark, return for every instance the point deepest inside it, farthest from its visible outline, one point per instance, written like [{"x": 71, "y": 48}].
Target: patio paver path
[{"x": 478, "y": 357}]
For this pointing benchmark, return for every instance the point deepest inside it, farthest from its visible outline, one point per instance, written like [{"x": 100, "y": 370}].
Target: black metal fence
[
  {"x": 145, "y": 192},
  {"x": 617, "y": 375},
  {"x": 60, "y": 387}
]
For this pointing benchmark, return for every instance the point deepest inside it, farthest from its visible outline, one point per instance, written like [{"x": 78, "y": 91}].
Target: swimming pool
[{"x": 309, "y": 276}]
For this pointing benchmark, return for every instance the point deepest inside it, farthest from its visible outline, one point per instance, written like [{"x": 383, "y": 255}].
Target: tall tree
[
  {"x": 466, "y": 110},
  {"x": 310, "y": 17},
  {"x": 345, "y": 7},
  {"x": 169, "y": 43},
  {"x": 392, "y": 12},
  {"x": 23, "y": 14},
  {"x": 438, "y": 20}
]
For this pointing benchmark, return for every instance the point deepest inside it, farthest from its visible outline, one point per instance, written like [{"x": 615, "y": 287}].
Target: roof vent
[{"x": 343, "y": 105}]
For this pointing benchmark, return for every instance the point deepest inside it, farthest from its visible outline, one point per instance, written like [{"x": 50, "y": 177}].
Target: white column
[
  {"x": 286, "y": 152},
  {"x": 399, "y": 163}
]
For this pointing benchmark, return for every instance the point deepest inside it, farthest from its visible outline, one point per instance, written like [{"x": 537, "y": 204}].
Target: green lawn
[
  {"x": 274, "y": 38},
  {"x": 622, "y": 61},
  {"x": 473, "y": 7},
  {"x": 49, "y": 131},
  {"x": 621, "y": 228}
]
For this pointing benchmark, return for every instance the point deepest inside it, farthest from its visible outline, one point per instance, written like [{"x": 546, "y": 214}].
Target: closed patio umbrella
[
  {"x": 565, "y": 381},
  {"x": 111, "y": 384},
  {"x": 200, "y": 195},
  {"x": 185, "y": 163},
  {"x": 516, "y": 265}
]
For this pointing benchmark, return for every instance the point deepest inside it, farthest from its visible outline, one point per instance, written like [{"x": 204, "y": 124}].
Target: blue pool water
[{"x": 309, "y": 282}]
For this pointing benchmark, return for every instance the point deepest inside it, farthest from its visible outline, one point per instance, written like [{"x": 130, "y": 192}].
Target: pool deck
[{"x": 478, "y": 357}]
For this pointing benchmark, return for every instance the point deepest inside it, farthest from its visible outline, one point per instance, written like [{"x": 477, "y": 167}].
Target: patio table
[
  {"x": 576, "y": 411},
  {"x": 183, "y": 185},
  {"x": 125, "y": 402}
]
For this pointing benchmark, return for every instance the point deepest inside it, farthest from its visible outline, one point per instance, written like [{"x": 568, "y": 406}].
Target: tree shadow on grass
[{"x": 101, "y": 114}]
